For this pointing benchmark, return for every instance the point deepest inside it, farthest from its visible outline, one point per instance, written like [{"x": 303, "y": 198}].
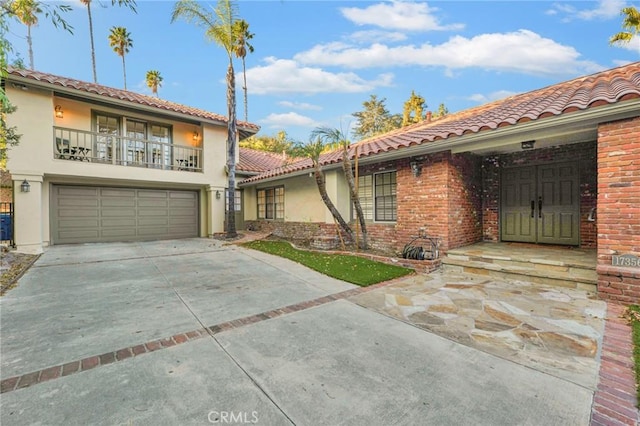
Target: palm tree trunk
[
  {"x": 93, "y": 50},
  {"x": 244, "y": 88},
  {"x": 30, "y": 43},
  {"x": 348, "y": 173},
  {"x": 231, "y": 150},
  {"x": 124, "y": 71},
  {"x": 322, "y": 188}
]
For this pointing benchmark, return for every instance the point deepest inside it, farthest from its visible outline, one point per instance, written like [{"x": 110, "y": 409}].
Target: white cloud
[
  {"x": 483, "y": 99},
  {"x": 289, "y": 119},
  {"x": 398, "y": 15},
  {"x": 605, "y": 9},
  {"x": 364, "y": 37},
  {"x": 520, "y": 51},
  {"x": 287, "y": 76},
  {"x": 300, "y": 105}
]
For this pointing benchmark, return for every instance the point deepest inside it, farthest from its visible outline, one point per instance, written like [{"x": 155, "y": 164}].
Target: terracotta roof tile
[
  {"x": 607, "y": 87},
  {"x": 255, "y": 161},
  {"x": 128, "y": 96}
]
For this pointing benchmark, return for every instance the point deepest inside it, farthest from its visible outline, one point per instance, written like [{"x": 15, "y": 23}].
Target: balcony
[{"x": 94, "y": 147}]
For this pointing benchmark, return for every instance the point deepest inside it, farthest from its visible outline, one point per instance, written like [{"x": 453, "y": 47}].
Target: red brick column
[{"x": 618, "y": 217}]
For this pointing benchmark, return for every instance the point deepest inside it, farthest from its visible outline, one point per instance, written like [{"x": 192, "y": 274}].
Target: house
[
  {"x": 555, "y": 166},
  {"x": 98, "y": 164}
]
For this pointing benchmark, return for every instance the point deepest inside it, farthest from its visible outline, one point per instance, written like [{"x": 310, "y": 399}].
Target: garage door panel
[
  {"x": 153, "y": 204},
  {"x": 152, "y": 194},
  {"x": 150, "y": 221},
  {"x": 67, "y": 224},
  {"x": 79, "y": 234},
  {"x": 110, "y": 233},
  {"x": 182, "y": 221},
  {"x": 78, "y": 202},
  {"x": 117, "y": 202},
  {"x": 94, "y": 214},
  {"x": 79, "y": 191},
  {"x": 154, "y": 230},
  {"x": 64, "y": 213},
  {"x": 118, "y": 193},
  {"x": 118, "y": 222},
  {"x": 119, "y": 212}
]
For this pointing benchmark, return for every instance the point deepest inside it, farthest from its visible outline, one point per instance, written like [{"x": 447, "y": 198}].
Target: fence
[{"x": 6, "y": 224}]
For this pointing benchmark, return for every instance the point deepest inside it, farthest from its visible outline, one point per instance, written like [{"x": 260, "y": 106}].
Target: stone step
[{"x": 542, "y": 271}]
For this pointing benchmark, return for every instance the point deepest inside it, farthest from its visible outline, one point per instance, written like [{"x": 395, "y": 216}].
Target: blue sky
[{"x": 315, "y": 62}]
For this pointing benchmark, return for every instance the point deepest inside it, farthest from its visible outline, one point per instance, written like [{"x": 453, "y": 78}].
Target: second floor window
[{"x": 271, "y": 203}]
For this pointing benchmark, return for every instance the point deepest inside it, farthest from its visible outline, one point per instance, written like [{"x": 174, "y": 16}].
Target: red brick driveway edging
[{"x": 614, "y": 402}]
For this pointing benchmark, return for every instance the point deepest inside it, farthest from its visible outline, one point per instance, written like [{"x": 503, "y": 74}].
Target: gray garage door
[{"x": 83, "y": 214}]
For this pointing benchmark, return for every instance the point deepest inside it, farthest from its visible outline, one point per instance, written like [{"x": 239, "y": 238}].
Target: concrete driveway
[{"x": 198, "y": 332}]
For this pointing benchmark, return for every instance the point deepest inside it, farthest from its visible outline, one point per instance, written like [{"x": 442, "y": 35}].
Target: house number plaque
[{"x": 628, "y": 260}]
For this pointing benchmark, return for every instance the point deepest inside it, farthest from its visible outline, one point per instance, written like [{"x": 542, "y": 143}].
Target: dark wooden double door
[{"x": 541, "y": 204}]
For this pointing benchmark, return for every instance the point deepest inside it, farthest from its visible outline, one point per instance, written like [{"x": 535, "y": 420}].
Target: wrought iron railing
[{"x": 94, "y": 147}]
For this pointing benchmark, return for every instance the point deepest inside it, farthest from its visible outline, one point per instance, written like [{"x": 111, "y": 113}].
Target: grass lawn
[
  {"x": 634, "y": 314},
  {"x": 352, "y": 269}
]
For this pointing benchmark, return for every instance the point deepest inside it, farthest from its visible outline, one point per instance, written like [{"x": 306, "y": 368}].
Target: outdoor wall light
[
  {"x": 25, "y": 186},
  {"x": 527, "y": 144},
  {"x": 196, "y": 136},
  {"x": 217, "y": 194},
  {"x": 59, "y": 112},
  {"x": 415, "y": 168}
]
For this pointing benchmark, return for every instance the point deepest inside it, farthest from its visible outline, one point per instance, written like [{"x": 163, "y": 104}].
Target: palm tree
[
  {"x": 336, "y": 137},
  {"x": 154, "y": 80},
  {"x": 27, "y": 11},
  {"x": 131, "y": 4},
  {"x": 219, "y": 27},
  {"x": 631, "y": 23},
  {"x": 313, "y": 149},
  {"x": 242, "y": 34},
  {"x": 120, "y": 41}
]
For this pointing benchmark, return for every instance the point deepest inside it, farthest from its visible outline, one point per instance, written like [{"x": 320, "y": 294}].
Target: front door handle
[
  {"x": 533, "y": 208},
  {"x": 540, "y": 207}
]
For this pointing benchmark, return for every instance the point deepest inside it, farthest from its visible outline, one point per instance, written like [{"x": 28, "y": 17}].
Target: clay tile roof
[
  {"x": 254, "y": 161},
  {"x": 607, "y": 87},
  {"x": 124, "y": 95}
]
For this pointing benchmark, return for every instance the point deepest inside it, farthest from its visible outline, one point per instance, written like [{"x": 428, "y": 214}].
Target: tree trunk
[
  {"x": 231, "y": 151},
  {"x": 30, "y": 43},
  {"x": 93, "y": 50},
  {"x": 124, "y": 71},
  {"x": 348, "y": 173},
  {"x": 244, "y": 88},
  {"x": 322, "y": 188}
]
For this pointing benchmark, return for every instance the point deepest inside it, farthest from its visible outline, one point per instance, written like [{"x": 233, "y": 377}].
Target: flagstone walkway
[{"x": 552, "y": 329}]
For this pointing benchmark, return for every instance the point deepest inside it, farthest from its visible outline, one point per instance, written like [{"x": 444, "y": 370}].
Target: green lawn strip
[
  {"x": 635, "y": 335},
  {"x": 352, "y": 269}
]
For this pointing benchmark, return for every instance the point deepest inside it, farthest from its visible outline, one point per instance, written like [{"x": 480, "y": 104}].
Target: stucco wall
[
  {"x": 35, "y": 154},
  {"x": 34, "y": 160}
]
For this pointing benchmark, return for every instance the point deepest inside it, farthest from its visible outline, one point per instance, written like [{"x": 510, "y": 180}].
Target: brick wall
[
  {"x": 618, "y": 208},
  {"x": 491, "y": 198},
  {"x": 423, "y": 200},
  {"x": 465, "y": 200},
  {"x": 584, "y": 153},
  {"x": 445, "y": 199}
]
